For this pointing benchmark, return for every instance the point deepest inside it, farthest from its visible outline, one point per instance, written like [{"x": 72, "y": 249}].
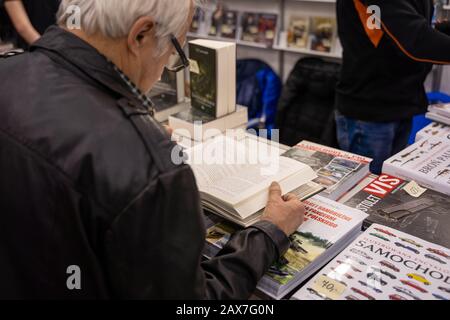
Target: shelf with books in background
[{"x": 268, "y": 27}]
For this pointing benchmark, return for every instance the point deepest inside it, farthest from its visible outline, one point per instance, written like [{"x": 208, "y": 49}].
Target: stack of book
[
  {"x": 383, "y": 264},
  {"x": 439, "y": 113},
  {"x": 328, "y": 229}
]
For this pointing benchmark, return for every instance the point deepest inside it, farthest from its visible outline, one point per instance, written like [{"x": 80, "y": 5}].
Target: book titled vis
[
  {"x": 337, "y": 170},
  {"x": 234, "y": 176},
  {"x": 213, "y": 76},
  {"x": 405, "y": 206},
  {"x": 383, "y": 264},
  {"x": 426, "y": 162},
  {"x": 328, "y": 228}
]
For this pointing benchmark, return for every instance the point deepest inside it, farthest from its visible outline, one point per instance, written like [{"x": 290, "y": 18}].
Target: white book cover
[
  {"x": 438, "y": 118},
  {"x": 326, "y": 223},
  {"x": 442, "y": 109},
  {"x": 434, "y": 129},
  {"x": 383, "y": 264},
  {"x": 426, "y": 162}
]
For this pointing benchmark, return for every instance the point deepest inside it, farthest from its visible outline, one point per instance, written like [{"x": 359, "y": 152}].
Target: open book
[{"x": 234, "y": 176}]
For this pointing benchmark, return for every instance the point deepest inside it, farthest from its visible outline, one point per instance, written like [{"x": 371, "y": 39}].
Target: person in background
[
  {"x": 92, "y": 205},
  {"x": 383, "y": 72},
  {"x": 28, "y": 19}
]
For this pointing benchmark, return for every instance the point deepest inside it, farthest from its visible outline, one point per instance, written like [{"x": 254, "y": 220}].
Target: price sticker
[
  {"x": 194, "y": 68},
  {"x": 414, "y": 190},
  {"x": 329, "y": 288}
]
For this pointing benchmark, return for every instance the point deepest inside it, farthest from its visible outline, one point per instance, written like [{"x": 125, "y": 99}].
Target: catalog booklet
[
  {"x": 383, "y": 264},
  {"x": 337, "y": 170},
  {"x": 405, "y": 206},
  {"x": 250, "y": 27},
  {"x": 434, "y": 129},
  {"x": 328, "y": 228},
  {"x": 427, "y": 162},
  {"x": 234, "y": 176}
]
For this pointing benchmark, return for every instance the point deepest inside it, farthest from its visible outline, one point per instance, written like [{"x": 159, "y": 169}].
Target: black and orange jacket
[{"x": 384, "y": 69}]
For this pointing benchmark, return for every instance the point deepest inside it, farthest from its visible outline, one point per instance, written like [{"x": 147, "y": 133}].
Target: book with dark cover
[
  {"x": 229, "y": 24},
  {"x": 216, "y": 20},
  {"x": 197, "y": 20},
  {"x": 250, "y": 27},
  {"x": 322, "y": 33},
  {"x": 298, "y": 32},
  {"x": 390, "y": 202},
  {"x": 204, "y": 79},
  {"x": 267, "y": 28}
]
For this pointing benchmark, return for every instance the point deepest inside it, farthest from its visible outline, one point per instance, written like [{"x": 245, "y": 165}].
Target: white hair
[{"x": 115, "y": 18}]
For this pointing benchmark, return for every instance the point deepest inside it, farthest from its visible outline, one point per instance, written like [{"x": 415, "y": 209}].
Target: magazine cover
[
  {"x": 267, "y": 28},
  {"x": 250, "y": 27},
  {"x": 405, "y": 206},
  {"x": 216, "y": 20},
  {"x": 298, "y": 32},
  {"x": 383, "y": 264},
  {"x": 337, "y": 170},
  {"x": 322, "y": 33},
  {"x": 326, "y": 223},
  {"x": 198, "y": 19},
  {"x": 229, "y": 24},
  {"x": 426, "y": 162}
]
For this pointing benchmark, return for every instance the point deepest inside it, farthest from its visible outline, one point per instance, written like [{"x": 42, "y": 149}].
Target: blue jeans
[{"x": 376, "y": 140}]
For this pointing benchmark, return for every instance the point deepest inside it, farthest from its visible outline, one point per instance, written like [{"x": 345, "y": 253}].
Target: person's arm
[
  {"x": 411, "y": 32},
  {"x": 21, "y": 21},
  {"x": 154, "y": 248}
]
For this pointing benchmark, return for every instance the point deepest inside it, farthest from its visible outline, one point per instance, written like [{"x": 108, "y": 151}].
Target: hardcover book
[
  {"x": 250, "y": 27},
  {"x": 216, "y": 20},
  {"x": 405, "y": 206},
  {"x": 328, "y": 228},
  {"x": 426, "y": 162},
  {"x": 229, "y": 24},
  {"x": 322, "y": 33},
  {"x": 383, "y": 264},
  {"x": 267, "y": 28},
  {"x": 298, "y": 32},
  {"x": 337, "y": 170}
]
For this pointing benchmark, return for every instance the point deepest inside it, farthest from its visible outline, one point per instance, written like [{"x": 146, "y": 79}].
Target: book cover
[
  {"x": 326, "y": 223},
  {"x": 426, "y": 162},
  {"x": 203, "y": 74},
  {"x": 298, "y": 32},
  {"x": 229, "y": 24},
  {"x": 383, "y": 264},
  {"x": 250, "y": 27},
  {"x": 197, "y": 20},
  {"x": 322, "y": 33},
  {"x": 405, "y": 206},
  {"x": 267, "y": 28},
  {"x": 337, "y": 170},
  {"x": 434, "y": 129},
  {"x": 216, "y": 20}
]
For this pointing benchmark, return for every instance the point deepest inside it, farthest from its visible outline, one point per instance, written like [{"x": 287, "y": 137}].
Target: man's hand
[{"x": 286, "y": 212}]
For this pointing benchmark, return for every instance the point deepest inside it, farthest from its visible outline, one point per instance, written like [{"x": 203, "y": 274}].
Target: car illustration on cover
[
  {"x": 407, "y": 292},
  {"x": 437, "y": 296},
  {"x": 386, "y": 232},
  {"x": 389, "y": 265},
  {"x": 373, "y": 276},
  {"x": 364, "y": 294},
  {"x": 369, "y": 286},
  {"x": 437, "y": 259},
  {"x": 351, "y": 297},
  {"x": 413, "y": 285},
  {"x": 411, "y": 242},
  {"x": 361, "y": 253},
  {"x": 396, "y": 297},
  {"x": 317, "y": 294},
  {"x": 444, "y": 289},
  {"x": 419, "y": 278},
  {"x": 383, "y": 272},
  {"x": 401, "y": 245},
  {"x": 439, "y": 253},
  {"x": 379, "y": 236}
]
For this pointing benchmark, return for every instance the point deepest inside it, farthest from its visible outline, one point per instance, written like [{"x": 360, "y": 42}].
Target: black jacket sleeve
[
  {"x": 412, "y": 32},
  {"x": 154, "y": 248}
]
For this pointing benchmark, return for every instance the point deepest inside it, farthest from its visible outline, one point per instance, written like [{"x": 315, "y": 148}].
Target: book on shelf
[
  {"x": 427, "y": 162},
  {"x": 328, "y": 228},
  {"x": 337, "y": 170},
  {"x": 216, "y": 20},
  {"x": 434, "y": 129},
  {"x": 250, "y": 27},
  {"x": 168, "y": 95},
  {"x": 298, "y": 32},
  {"x": 322, "y": 34},
  {"x": 234, "y": 176},
  {"x": 229, "y": 24},
  {"x": 405, "y": 206},
  {"x": 213, "y": 76},
  {"x": 267, "y": 28},
  {"x": 197, "y": 20},
  {"x": 383, "y": 264},
  {"x": 201, "y": 126}
]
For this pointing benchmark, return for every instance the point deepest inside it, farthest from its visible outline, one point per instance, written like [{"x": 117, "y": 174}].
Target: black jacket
[
  {"x": 383, "y": 71},
  {"x": 87, "y": 180}
]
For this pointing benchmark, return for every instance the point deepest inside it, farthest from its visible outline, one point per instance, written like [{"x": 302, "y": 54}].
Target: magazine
[{"x": 322, "y": 33}]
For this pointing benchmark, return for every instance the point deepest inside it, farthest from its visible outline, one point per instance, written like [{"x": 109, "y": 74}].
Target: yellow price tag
[
  {"x": 329, "y": 287},
  {"x": 414, "y": 190},
  {"x": 194, "y": 68}
]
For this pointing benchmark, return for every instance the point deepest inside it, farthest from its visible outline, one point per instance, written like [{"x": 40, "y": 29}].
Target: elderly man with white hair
[{"x": 91, "y": 204}]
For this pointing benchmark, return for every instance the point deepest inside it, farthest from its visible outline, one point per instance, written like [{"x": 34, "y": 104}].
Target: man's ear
[{"x": 141, "y": 33}]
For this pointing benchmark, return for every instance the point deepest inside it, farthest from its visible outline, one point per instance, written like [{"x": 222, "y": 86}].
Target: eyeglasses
[{"x": 177, "y": 61}]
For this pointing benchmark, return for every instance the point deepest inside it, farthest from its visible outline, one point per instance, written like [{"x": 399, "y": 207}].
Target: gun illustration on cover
[{"x": 403, "y": 210}]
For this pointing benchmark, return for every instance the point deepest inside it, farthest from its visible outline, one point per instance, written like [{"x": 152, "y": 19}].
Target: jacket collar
[{"x": 86, "y": 58}]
